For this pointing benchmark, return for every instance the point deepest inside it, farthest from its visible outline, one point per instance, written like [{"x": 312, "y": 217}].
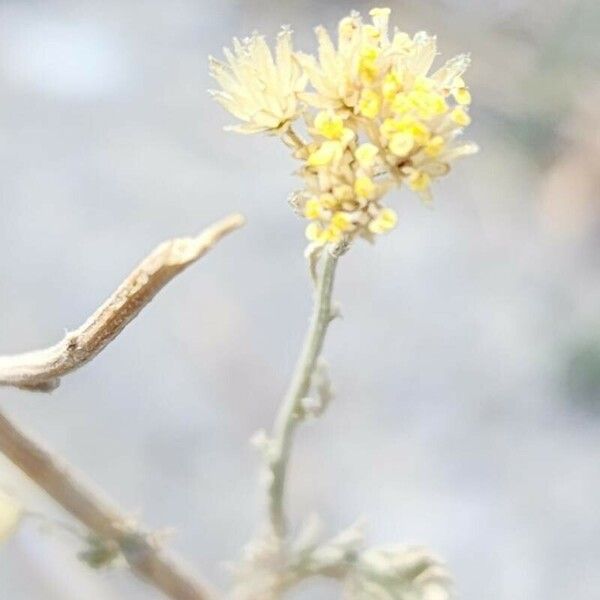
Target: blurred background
[{"x": 467, "y": 364}]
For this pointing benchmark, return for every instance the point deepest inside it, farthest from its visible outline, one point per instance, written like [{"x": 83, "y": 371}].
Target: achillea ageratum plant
[
  {"x": 366, "y": 115},
  {"x": 373, "y": 115}
]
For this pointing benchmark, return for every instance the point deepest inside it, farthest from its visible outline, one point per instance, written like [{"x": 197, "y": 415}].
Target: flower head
[
  {"x": 258, "y": 89},
  {"x": 375, "y": 116}
]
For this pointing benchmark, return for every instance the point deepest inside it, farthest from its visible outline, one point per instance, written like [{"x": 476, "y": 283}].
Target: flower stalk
[
  {"x": 290, "y": 413},
  {"x": 374, "y": 114}
]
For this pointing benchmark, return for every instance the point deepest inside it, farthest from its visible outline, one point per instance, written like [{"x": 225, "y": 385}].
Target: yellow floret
[
  {"x": 401, "y": 143},
  {"x": 419, "y": 181},
  {"x": 384, "y": 221},
  {"x": 462, "y": 95},
  {"x": 413, "y": 126},
  {"x": 313, "y": 232},
  {"x": 406, "y": 124},
  {"x": 401, "y": 104},
  {"x": 312, "y": 209},
  {"x": 428, "y": 104},
  {"x": 392, "y": 84},
  {"x": 369, "y": 104},
  {"x": 388, "y": 218},
  {"x": 364, "y": 187},
  {"x": 342, "y": 221},
  {"x": 366, "y": 154},
  {"x": 325, "y": 154},
  {"x": 329, "y": 125},
  {"x": 367, "y": 66},
  {"x": 419, "y": 131},
  {"x": 460, "y": 116},
  {"x": 332, "y": 234},
  {"x": 438, "y": 104},
  {"x": 434, "y": 146}
]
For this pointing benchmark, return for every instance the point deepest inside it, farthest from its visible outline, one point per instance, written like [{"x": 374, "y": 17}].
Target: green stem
[{"x": 289, "y": 413}]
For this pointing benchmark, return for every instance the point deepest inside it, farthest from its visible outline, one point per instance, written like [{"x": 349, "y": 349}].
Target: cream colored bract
[{"x": 256, "y": 88}]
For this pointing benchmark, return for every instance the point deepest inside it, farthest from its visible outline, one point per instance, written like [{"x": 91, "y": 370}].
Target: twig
[
  {"x": 86, "y": 504},
  {"x": 42, "y": 370},
  {"x": 288, "y": 416}
]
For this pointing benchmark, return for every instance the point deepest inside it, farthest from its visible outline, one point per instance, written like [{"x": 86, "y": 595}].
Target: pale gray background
[{"x": 467, "y": 363}]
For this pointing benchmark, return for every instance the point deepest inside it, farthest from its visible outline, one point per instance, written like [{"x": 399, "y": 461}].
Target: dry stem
[
  {"x": 42, "y": 370},
  {"x": 86, "y": 504}
]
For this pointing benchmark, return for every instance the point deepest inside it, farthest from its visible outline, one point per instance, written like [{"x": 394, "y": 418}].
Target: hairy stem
[{"x": 290, "y": 411}]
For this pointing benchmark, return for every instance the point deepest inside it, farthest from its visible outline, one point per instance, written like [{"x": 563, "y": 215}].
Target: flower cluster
[{"x": 373, "y": 115}]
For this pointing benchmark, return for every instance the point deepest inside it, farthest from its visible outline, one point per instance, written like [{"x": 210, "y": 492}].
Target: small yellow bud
[
  {"x": 438, "y": 104},
  {"x": 367, "y": 67},
  {"x": 460, "y": 116},
  {"x": 401, "y": 104},
  {"x": 388, "y": 218},
  {"x": 329, "y": 125},
  {"x": 342, "y": 221},
  {"x": 375, "y": 227},
  {"x": 462, "y": 96},
  {"x": 364, "y": 187},
  {"x": 312, "y": 209},
  {"x": 384, "y": 221},
  {"x": 332, "y": 234},
  {"x": 365, "y": 154},
  {"x": 419, "y": 181},
  {"x": 325, "y": 154},
  {"x": 428, "y": 104},
  {"x": 369, "y": 104},
  {"x": 391, "y": 85},
  {"x": 419, "y": 131},
  {"x": 434, "y": 146},
  {"x": 401, "y": 143},
  {"x": 313, "y": 231}
]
